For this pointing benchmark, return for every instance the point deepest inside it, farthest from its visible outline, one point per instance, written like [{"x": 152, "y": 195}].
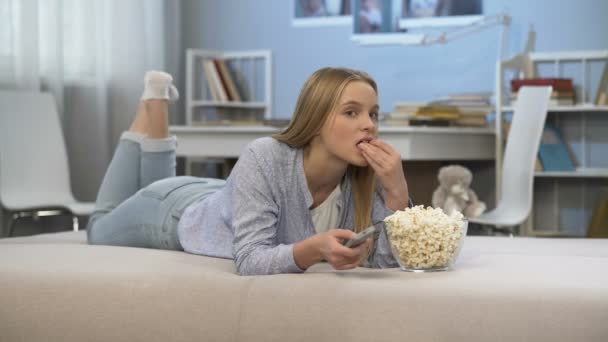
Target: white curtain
[{"x": 92, "y": 55}]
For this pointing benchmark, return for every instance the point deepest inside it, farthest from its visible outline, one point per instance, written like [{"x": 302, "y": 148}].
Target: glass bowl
[{"x": 427, "y": 247}]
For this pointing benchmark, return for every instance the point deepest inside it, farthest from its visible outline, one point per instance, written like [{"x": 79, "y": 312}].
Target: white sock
[{"x": 158, "y": 85}]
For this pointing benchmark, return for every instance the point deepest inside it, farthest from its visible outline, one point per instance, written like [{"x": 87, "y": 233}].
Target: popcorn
[{"x": 425, "y": 238}]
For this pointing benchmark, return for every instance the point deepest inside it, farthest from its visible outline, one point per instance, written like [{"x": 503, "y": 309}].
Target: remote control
[{"x": 360, "y": 238}]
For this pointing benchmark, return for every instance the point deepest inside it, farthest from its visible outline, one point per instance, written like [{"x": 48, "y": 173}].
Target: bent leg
[
  {"x": 122, "y": 177},
  {"x": 159, "y": 163},
  {"x": 158, "y": 149},
  {"x": 145, "y": 154}
]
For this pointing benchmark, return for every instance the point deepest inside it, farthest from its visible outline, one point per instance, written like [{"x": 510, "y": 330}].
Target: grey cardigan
[{"x": 264, "y": 210}]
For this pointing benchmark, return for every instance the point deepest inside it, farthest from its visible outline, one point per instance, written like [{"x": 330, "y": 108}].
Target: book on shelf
[
  {"x": 472, "y": 112},
  {"x": 598, "y": 226},
  {"x": 559, "y": 84},
  {"x": 461, "y": 103},
  {"x": 222, "y": 78},
  {"x": 472, "y": 108},
  {"x": 227, "y": 80},
  {"x": 553, "y": 151},
  {"x": 214, "y": 81},
  {"x": 401, "y": 114},
  {"x": 438, "y": 112},
  {"x": 210, "y": 82},
  {"x": 601, "y": 97},
  {"x": 481, "y": 99},
  {"x": 408, "y": 107},
  {"x": 396, "y": 119}
]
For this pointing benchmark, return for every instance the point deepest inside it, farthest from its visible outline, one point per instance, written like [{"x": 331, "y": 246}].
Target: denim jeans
[{"x": 140, "y": 200}]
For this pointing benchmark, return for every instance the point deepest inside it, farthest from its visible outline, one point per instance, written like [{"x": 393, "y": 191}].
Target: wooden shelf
[{"x": 581, "y": 173}]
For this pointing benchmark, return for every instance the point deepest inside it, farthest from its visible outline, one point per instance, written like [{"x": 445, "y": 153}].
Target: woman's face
[{"x": 355, "y": 119}]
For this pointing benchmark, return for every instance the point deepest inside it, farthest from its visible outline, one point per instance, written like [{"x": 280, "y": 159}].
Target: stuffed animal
[{"x": 454, "y": 193}]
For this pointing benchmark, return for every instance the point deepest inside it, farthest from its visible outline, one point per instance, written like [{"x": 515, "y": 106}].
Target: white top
[{"x": 325, "y": 216}]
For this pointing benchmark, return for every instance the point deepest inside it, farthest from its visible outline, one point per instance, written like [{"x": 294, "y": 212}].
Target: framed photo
[
  {"x": 374, "y": 16},
  {"x": 321, "y": 12},
  {"x": 377, "y": 22},
  {"x": 439, "y": 13}
]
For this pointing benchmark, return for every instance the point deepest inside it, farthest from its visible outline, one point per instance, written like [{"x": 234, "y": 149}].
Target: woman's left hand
[{"x": 386, "y": 162}]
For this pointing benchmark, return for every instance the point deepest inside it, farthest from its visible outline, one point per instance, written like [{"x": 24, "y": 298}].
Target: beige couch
[{"x": 54, "y": 287}]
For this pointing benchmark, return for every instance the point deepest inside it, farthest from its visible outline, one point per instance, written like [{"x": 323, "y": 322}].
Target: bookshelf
[
  {"x": 228, "y": 88},
  {"x": 564, "y": 200}
]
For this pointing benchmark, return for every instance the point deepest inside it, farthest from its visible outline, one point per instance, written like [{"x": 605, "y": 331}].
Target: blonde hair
[{"x": 318, "y": 99}]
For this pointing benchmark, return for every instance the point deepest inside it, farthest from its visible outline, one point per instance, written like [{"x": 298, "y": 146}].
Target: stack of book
[
  {"x": 455, "y": 110},
  {"x": 563, "y": 90},
  {"x": 435, "y": 115},
  {"x": 219, "y": 79},
  {"x": 473, "y": 108},
  {"x": 402, "y": 114}
]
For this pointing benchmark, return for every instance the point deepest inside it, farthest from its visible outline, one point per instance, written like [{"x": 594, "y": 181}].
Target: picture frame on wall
[
  {"x": 321, "y": 12},
  {"x": 377, "y": 22},
  {"x": 439, "y": 13},
  {"x": 374, "y": 16}
]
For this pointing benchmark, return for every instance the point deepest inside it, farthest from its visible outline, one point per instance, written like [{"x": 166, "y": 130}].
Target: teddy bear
[{"x": 454, "y": 192}]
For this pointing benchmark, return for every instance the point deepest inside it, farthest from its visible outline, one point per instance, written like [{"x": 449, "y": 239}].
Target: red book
[{"x": 558, "y": 84}]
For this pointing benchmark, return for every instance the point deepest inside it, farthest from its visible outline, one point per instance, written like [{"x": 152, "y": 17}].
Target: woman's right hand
[
  {"x": 328, "y": 246},
  {"x": 338, "y": 255}
]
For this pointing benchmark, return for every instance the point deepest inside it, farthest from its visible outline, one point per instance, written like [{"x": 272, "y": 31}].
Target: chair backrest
[
  {"x": 34, "y": 171},
  {"x": 523, "y": 140}
]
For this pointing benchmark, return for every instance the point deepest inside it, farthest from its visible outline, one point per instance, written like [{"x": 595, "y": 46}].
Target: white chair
[
  {"x": 34, "y": 171},
  {"x": 515, "y": 204}
]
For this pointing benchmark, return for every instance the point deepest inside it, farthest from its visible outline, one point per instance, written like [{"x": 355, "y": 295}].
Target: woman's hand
[
  {"x": 336, "y": 254},
  {"x": 328, "y": 246},
  {"x": 386, "y": 162}
]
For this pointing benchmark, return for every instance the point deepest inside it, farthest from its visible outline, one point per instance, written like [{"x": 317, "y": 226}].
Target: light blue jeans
[{"x": 140, "y": 200}]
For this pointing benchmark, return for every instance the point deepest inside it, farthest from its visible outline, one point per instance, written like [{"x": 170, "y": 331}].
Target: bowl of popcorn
[{"x": 425, "y": 240}]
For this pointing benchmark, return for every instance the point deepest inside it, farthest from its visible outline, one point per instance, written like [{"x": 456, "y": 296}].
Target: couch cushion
[
  {"x": 71, "y": 291},
  {"x": 71, "y": 237},
  {"x": 54, "y": 287},
  {"x": 528, "y": 293}
]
